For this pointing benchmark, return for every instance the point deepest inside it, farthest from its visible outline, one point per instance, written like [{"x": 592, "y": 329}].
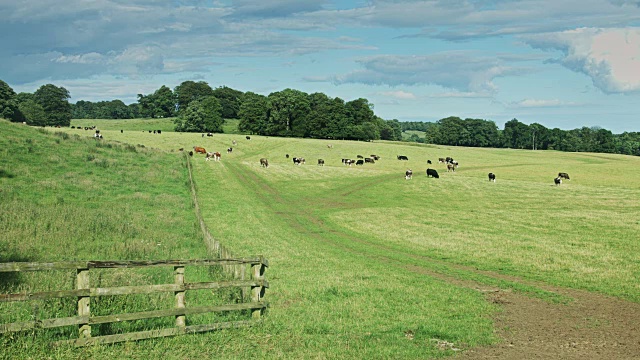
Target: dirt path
[{"x": 592, "y": 326}]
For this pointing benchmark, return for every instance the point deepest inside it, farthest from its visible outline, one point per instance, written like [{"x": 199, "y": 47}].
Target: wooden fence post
[
  {"x": 257, "y": 273},
  {"x": 83, "y": 282},
  {"x": 178, "y": 271}
]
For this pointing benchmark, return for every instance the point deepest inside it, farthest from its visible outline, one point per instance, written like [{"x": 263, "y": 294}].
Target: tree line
[
  {"x": 196, "y": 107},
  {"x": 517, "y": 135}
]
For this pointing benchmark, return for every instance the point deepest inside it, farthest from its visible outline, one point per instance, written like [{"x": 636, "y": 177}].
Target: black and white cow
[
  {"x": 408, "y": 174},
  {"x": 321, "y": 162},
  {"x": 563, "y": 175},
  {"x": 432, "y": 173},
  {"x": 492, "y": 177},
  {"x": 557, "y": 180}
]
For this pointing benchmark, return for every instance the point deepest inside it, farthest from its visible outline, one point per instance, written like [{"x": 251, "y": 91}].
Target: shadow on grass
[
  {"x": 5, "y": 174},
  {"x": 9, "y": 280}
]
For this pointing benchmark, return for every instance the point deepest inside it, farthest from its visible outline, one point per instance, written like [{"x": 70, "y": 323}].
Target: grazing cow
[
  {"x": 190, "y": 153},
  {"x": 402, "y": 157},
  {"x": 248, "y": 137},
  {"x": 330, "y": 146},
  {"x": 563, "y": 175},
  {"x": 181, "y": 149},
  {"x": 441, "y": 160},
  {"x": 298, "y": 161},
  {"x": 448, "y": 160},
  {"x": 492, "y": 177},
  {"x": 408, "y": 174},
  {"x": 360, "y": 156},
  {"x": 199, "y": 150},
  {"x": 369, "y": 160},
  {"x": 451, "y": 167},
  {"x": 121, "y": 131},
  {"x": 428, "y": 161},
  {"x": 360, "y": 162},
  {"x": 229, "y": 150},
  {"x": 209, "y": 134},
  {"x": 286, "y": 155},
  {"x": 321, "y": 162},
  {"x": 234, "y": 142},
  {"x": 159, "y": 131},
  {"x": 557, "y": 180},
  {"x": 348, "y": 161},
  {"x": 375, "y": 157},
  {"x": 264, "y": 162},
  {"x": 213, "y": 155},
  {"x": 432, "y": 173},
  {"x": 154, "y": 131}
]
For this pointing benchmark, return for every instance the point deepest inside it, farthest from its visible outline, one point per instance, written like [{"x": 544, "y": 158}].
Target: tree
[
  {"x": 203, "y": 115},
  {"x": 230, "y": 100},
  {"x": 391, "y": 130},
  {"x": 34, "y": 114},
  {"x": 516, "y": 135},
  {"x": 160, "y": 104},
  {"x": 253, "y": 114},
  {"x": 288, "y": 110},
  {"x": 9, "y": 103},
  {"x": 55, "y": 102},
  {"x": 189, "y": 91}
]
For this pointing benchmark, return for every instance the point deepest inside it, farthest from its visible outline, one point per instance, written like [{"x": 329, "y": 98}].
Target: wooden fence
[{"x": 84, "y": 292}]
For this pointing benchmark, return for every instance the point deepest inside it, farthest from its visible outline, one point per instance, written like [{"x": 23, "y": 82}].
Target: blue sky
[{"x": 564, "y": 64}]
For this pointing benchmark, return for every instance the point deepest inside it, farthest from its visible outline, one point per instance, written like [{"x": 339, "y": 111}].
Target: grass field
[{"x": 356, "y": 253}]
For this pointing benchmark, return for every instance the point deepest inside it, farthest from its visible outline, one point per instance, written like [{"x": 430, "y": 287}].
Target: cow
[
  {"x": 229, "y": 150},
  {"x": 360, "y": 156},
  {"x": 492, "y": 177},
  {"x": 408, "y": 174},
  {"x": 213, "y": 155},
  {"x": 557, "y": 180},
  {"x": 199, "y": 150},
  {"x": 234, "y": 142},
  {"x": 209, "y": 134},
  {"x": 451, "y": 167},
  {"x": 181, "y": 149},
  {"x": 375, "y": 157},
  {"x": 448, "y": 159},
  {"x": 159, "y": 131},
  {"x": 359, "y": 162},
  {"x": 432, "y": 173},
  {"x": 402, "y": 157},
  {"x": 264, "y": 162},
  {"x": 190, "y": 153},
  {"x": 286, "y": 155},
  {"x": 321, "y": 162},
  {"x": 154, "y": 131},
  {"x": 428, "y": 161},
  {"x": 248, "y": 137},
  {"x": 329, "y": 146},
  {"x": 347, "y": 161},
  {"x": 298, "y": 161},
  {"x": 563, "y": 175},
  {"x": 369, "y": 160},
  {"x": 121, "y": 131}
]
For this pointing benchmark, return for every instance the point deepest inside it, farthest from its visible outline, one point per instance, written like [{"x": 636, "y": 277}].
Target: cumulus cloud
[
  {"x": 402, "y": 95},
  {"x": 460, "y": 70},
  {"x": 611, "y": 57},
  {"x": 538, "y": 103}
]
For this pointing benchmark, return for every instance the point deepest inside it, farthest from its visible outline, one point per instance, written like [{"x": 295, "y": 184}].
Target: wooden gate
[{"x": 84, "y": 292}]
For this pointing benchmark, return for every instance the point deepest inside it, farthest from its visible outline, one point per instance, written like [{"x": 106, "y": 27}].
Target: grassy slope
[{"x": 348, "y": 245}]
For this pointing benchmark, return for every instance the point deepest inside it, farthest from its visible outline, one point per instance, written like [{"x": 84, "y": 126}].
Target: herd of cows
[{"x": 450, "y": 163}]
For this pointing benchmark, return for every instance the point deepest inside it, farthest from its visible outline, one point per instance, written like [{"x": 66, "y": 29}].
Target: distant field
[
  {"x": 407, "y": 134},
  {"x": 353, "y": 250}
]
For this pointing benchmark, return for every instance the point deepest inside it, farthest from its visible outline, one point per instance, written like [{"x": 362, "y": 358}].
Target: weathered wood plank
[
  {"x": 128, "y": 290},
  {"x": 43, "y": 324},
  {"x": 83, "y": 282},
  {"x": 178, "y": 271},
  {"x": 43, "y": 295},
  {"x": 175, "y": 312},
  {"x": 37, "y": 266},
  {"x": 202, "y": 262},
  {"x": 140, "y": 335}
]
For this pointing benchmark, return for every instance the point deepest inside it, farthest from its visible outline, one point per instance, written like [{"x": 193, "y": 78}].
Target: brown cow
[
  {"x": 199, "y": 150},
  {"x": 451, "y": 167},
  {"x": 264, "y": 162}
]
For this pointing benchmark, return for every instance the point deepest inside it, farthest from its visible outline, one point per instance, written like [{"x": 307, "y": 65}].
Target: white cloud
[
  {"x": 611, "y": 57},
  {"x": 403, "y": 95},
  {"x": 460, "y": 70},
  {"x": 538, "y": 103}
]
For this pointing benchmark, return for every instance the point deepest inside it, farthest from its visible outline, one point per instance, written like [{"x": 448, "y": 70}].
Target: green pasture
[{"x": 358, "y": 255}]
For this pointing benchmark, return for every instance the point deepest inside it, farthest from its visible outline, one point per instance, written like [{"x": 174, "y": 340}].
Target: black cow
[
  {"x": 492, "y": 177},
  {"x": 402, "y": 157},
  {"x": 121, "y": 131},
  {"x": 360, "y": 156},
  {"x": 321, "y": 162},
  {"x": 248, "y": 137},
  {"x": 428, "y": 161},
  {"x": 360, "y": 162},
  {"x": 432, "y": 173},
  {"x": 408, "y": 174},
  {"x": 557, "y": 180},
  {"x": 190, "y": 153},
  {"x": 369, "y": 160},
  {"x": 286, "y": 155},
  {"x": 563, "y": 175}
]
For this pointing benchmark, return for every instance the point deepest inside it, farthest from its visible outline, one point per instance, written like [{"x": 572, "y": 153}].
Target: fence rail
[{"x": 84, "y": 292}]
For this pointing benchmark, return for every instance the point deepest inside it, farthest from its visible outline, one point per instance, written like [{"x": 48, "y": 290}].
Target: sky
[{"x": 559, "y": 63}]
